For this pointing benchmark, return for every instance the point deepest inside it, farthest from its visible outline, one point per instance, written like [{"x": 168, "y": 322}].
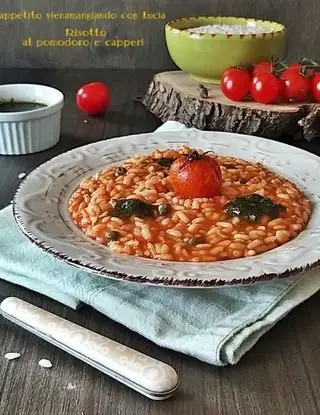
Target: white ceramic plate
[{"x": 40, "y": 208}]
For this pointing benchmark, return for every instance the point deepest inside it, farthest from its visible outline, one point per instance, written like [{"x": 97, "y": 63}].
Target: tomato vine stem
[{"x": 195, "y": 155}]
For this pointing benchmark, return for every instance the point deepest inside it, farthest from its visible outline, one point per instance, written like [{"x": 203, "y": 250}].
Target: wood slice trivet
[{"x": 175, "y": 96}]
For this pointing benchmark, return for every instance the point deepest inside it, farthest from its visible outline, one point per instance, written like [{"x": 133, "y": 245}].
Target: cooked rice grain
[{"x": 167, "y": 237}]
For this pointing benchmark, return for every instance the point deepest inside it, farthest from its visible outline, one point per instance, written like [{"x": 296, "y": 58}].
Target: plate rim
[{"x": 155, "y": 281}]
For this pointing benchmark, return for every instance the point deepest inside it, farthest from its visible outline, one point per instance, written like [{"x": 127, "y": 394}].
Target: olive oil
[{"x": 15, "y": 106}]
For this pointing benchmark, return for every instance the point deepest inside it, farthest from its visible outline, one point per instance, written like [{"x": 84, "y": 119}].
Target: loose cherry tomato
[
  {"x": 235, "y": 83},
  {"x": 196, "y": 175},
  {"x": 294, "y": 86},
  {"x": 93, "y": 98},
  {"x": 315, "y": 85},
  {"x": 264, "y": 66},
  {"x": 265, "y": 88}
]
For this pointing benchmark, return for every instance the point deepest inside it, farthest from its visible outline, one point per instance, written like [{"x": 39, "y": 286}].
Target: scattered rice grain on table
[{"x": 197, "y": 229}]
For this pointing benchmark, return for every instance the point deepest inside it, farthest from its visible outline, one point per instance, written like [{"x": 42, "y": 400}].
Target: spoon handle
[{"x": 146, "y": 375}]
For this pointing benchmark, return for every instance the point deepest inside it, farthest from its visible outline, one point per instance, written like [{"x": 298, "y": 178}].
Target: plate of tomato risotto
[{"x": 183, "y": 209}]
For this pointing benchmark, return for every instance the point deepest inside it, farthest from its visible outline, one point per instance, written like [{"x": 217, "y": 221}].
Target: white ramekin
[{"x": 30, "y": 131}]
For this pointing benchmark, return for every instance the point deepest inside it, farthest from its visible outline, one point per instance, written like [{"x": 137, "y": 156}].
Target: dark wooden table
[{"x": 279, "y": 376}]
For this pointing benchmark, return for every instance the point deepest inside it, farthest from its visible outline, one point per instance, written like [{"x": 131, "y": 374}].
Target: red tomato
[
  {"x": 264, "y": 66},
  {"x": 300, "y": 69},
  {"x": 235, "y": 83},
  {"x": 294, "y": 66},
  {"x": 315, "y": 85},
  {"x": 93, "y": 98},
  {"x": 196, "y": 175},
  {"x": 294, "y": 86},
  {"x": 265, "y": 88}
]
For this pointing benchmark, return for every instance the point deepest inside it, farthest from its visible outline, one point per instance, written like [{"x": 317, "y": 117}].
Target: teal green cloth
[{"x": 217, "y": 326}]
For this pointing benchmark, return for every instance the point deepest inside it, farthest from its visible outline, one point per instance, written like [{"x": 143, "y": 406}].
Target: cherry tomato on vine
[
  {"x": 295, "y": 66},
  {"x": 265, "y": 88},
  {"x": 93, "y": 98},
  {"x": 235, "y": 83},
  {"x": 300, "y": 69},
  {"x": 264, "y": 66},
  {"x": 196, "y": 175},
  {"x": 315, "y": 86},
  {"x": 294, "y": 86}
]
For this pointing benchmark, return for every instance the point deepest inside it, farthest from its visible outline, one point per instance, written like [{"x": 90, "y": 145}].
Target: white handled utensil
[{"x": 146, "y": 375}]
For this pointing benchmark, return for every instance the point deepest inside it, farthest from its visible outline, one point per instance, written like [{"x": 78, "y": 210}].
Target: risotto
[{"x": 133, "y": 209}]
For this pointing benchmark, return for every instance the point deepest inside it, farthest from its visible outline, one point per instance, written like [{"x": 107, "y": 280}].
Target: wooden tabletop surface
[{"x": 279, "y": 376}]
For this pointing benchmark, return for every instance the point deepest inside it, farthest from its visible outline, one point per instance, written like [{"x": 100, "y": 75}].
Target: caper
[
  {"x": 113, "y": 236},
  {"x": 163, "y": 209},
  {"x": 124, "y": 208},
  {"x": 196, "y": 241},
  {"x": 121, "y": 171}
]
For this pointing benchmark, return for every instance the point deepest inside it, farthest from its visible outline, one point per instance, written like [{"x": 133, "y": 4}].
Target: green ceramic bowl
[{"x": 206, "y": 56}]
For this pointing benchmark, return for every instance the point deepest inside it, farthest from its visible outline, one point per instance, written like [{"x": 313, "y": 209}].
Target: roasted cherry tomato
[
  {"x": 196, "y": 175},
  {"x": 265, "y": 88},
  {"x": 235, "y": 83},
  {"x": 315, "y": 85},
  {"x": 295, "y": 87},
  {"x": 93, "y": 98}
]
